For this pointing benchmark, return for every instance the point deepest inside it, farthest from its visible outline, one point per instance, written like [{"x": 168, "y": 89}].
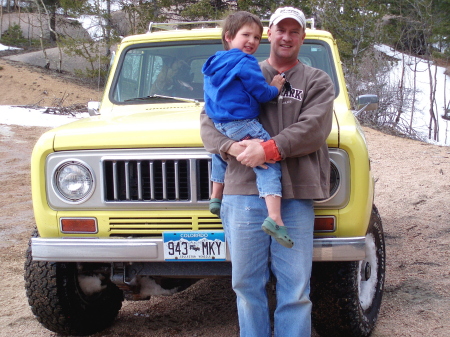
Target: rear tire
[
  {"x": 347, "y": 296},
  {"x": 59, "y": 304}
]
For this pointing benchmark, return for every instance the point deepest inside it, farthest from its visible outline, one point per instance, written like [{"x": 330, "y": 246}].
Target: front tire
[
  {"x": 59, "y": 303},
  {"x": 347, "y": 296}
]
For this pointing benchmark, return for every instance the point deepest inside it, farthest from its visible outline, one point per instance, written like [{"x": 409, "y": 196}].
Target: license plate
[{"x": 194, "y": 246}]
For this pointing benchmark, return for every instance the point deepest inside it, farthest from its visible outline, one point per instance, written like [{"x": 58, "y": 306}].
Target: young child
[{"x": 234, "y": 88}]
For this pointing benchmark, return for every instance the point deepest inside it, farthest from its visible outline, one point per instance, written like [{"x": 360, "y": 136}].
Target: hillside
[{"x": 21, "y": 84}]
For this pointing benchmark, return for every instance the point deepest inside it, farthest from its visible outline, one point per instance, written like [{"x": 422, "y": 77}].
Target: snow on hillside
[
  {"x": 421, "y": 117},
  {"x": 3, "y": 47}
]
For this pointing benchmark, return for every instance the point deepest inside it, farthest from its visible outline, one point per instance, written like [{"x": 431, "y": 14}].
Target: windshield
[{"x": 176, "y": 69}]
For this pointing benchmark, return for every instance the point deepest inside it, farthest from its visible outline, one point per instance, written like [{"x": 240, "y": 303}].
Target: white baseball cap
[{"x": 288, "y": 13}]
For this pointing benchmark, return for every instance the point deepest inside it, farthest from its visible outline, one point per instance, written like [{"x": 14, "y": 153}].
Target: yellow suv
[{"x": 121, "y": 198}]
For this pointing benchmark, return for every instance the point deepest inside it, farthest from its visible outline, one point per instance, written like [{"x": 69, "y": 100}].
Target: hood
[
  {"x": 218, "y": 66},
  {"x": 176, "y": 127}
]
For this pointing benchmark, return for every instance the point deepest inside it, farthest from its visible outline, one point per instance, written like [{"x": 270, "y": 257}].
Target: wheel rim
[{"x": 368, "y": 268}]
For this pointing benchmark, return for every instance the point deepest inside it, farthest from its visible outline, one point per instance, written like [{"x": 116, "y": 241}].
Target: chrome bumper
[{"x": 151, "y": 250}]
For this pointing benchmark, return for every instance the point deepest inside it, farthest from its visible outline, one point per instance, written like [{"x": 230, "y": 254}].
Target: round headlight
[
  {"x": 335, "y": 179},
  {"x": 74, "y": 181},
  {"x": 335, "y": 182}
]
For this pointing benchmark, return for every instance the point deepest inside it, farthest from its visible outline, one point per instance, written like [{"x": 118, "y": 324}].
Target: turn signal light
[
  {"x": 324, "y": 224},
  {"x": 78, "y": 225}
]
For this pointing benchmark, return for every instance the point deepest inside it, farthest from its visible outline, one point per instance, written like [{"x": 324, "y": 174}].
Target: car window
[{"x": 176, "y": 70}]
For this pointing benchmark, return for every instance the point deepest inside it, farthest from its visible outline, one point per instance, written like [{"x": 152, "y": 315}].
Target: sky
[{"x": 36, "y": 117}]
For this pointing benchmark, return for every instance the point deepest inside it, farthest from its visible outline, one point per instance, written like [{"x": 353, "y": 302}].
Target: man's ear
[
  {"x": 269, "y": 34},
  {"x": 304, "y": 35}
]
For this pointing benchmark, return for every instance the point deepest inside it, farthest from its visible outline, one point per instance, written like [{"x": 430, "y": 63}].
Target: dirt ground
[
  {"x": 412, "y": 195},
  {"x": 21, "y": 84}
]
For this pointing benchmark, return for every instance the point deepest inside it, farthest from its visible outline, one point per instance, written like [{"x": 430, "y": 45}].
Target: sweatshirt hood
[{"x": 218, "y": 66}]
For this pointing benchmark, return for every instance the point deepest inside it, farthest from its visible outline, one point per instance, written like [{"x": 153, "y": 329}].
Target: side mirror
[
  {"x": 93, "y": 108},
  {"x": 367, "y": 102}
]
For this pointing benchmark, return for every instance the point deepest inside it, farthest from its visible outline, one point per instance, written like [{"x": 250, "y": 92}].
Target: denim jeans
[
  {"x": 268, "y": 181},
  {"x": 253, "y": 252}
]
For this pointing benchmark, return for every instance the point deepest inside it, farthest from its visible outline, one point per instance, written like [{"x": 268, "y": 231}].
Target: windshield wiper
[{"x": 182, "y": 99}]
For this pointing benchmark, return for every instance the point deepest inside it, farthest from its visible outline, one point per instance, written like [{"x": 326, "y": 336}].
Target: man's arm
[{"x": 214, "y": 141}]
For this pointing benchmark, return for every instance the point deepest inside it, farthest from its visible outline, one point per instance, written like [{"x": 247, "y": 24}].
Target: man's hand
[
  {"x": 236, "y": 149},
  {"x": 253, "y": 155}
]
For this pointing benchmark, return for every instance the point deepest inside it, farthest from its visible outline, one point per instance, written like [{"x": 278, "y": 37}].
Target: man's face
[{"x": 286, "y": 38}]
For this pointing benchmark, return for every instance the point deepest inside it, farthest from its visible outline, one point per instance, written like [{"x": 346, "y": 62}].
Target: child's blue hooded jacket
[{"x": 234, "y": 86}]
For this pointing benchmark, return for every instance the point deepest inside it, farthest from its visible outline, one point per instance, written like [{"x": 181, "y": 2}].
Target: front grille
[
  {"x": 155, "y": 226},
  {"x": 153, "y": 180},
  {"x": 164, "y": 179}
]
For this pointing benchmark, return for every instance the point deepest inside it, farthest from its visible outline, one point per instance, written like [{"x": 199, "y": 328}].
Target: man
[{"x": 299, "y": 122}]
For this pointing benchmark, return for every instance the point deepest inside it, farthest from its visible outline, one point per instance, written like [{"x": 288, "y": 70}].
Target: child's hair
[{"x": 235, "y": 21}]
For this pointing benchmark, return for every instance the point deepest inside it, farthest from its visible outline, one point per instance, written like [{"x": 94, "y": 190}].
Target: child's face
[{"x": 247, "y": 39}]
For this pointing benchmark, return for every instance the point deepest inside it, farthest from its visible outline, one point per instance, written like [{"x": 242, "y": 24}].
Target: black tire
[
  {"x": 59, "y": 304},
  {"x": 344, "y": 303}
]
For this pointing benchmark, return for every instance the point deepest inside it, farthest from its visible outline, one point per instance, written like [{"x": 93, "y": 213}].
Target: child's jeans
[{"x": 268, "y": 180}]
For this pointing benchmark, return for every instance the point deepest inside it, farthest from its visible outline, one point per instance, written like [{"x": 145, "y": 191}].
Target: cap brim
[{"x": 278, "y": 20}]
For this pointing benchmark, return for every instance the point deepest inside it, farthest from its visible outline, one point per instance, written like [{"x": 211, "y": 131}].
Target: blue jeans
[
  {"x": 268, "y": 181},
  {"x": 254, "y": 254}
]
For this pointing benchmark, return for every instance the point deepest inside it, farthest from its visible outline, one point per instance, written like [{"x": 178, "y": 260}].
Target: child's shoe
[
  {"x": 214, "y": 206},
  {"x": 279, "y": 233}
]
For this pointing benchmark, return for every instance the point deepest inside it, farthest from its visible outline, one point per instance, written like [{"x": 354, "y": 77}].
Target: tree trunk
[
  {"x": 52, "y": 22},
  {"x": 400, "y": 94},
  {"x": 433, "y": 132},
  {"x": 1, "y": 20},
  {"x": 108, "y": 27},
  {"x": 41, "y": 35},
  {"x": 413, "y": 104}
]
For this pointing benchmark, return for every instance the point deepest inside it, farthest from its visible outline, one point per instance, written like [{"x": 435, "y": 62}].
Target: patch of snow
[
  {"x": 3, "y": 47},
  {"x": 149, "y": 287},
  {"x": 421, "y": 117},
  {"x": 91, "y": 284},
  {"x": 14, "y": 115}
]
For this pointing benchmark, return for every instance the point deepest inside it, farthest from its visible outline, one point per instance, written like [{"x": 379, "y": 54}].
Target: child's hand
[{"x": 278, "y": 81}]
